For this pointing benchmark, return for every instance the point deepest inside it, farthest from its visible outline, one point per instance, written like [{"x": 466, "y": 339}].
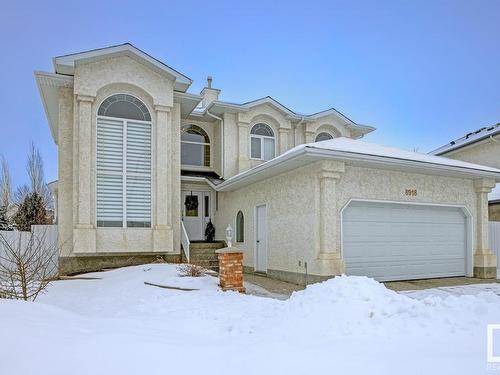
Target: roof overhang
[
  {"x": 66, "y": 64},
  {"x": 48, "y": 86},
  {"x": 187, "y": 101},
  {"x": 306, "y": 154}
]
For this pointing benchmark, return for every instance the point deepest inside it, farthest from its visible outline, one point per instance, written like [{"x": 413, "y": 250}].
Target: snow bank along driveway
[{"x": 347, "y": 325}]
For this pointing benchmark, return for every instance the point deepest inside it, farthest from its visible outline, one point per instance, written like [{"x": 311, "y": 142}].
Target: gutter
[
  {"x": 346, "y": 156},
  {"x": 352, "y": 156},
  {"x": 221, "y": 141}
]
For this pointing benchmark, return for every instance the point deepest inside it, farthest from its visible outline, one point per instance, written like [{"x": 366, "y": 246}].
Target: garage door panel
[{"x": 400, "y": 241}]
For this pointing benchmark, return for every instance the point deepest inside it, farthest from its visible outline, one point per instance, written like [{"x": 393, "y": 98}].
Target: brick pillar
[{"x": 231, "y": 269}]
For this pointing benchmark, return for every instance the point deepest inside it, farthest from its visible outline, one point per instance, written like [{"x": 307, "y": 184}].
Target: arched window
[
  {"x": 323, "y": 136},
  {"x": 123, "y": 165},
  {"x": 195, "y": 146},
  {"x": 124, "y": 106},
  {"x": 262, "y": 142},
  {"x": 240, "y": 227}
]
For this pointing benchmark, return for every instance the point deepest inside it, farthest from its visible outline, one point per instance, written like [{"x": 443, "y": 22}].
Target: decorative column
[
  {"x": 329, "y": 260},
  {"x": 309, "y": 136},
  {"x": 84, "y": 234},
  {"x": 84, "y": 159},
  {"x": 243, "y": 143},
  {"x": 162, "y": 235},
  {"x": 283, "y": 139},
  {"x": 484, "y": 260}
]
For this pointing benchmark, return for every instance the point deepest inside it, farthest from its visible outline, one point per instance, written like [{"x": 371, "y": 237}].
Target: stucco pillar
[
  {"x": 162, "y": 233},
  {"x": 243, "y": 146},
  {"x": 484, "y": 259},
  {"x": 84, "y": 158},
  {"x": 309, "y": 136},
  {"x": 84, "y": 232},
  {"x": 329, "y": 261},
  {"x": 283, "y": 139}
]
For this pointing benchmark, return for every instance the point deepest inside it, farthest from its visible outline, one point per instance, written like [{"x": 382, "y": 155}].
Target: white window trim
[
  {"x": 321, "y": 132},
  {"x": 236, "y": 228},
  {"x": 261, "y": 137},
  {"x": 124, "y": 172},
  {"x": 201, "y": 167}
]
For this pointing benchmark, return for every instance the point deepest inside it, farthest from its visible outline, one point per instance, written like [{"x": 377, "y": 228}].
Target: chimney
[{"x": 209, "y": 94}]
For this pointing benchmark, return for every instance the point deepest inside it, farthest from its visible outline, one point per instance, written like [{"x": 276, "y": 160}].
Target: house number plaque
[{"x": 411, "y": 192}]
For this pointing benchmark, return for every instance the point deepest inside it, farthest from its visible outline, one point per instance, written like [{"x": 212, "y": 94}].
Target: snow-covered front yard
[{"x": 348, "y": 325}]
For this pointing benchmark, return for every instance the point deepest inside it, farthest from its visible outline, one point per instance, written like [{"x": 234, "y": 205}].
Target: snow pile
[
  {"x": 354, "y": 306},
  {"x": 117, "y": 324}
]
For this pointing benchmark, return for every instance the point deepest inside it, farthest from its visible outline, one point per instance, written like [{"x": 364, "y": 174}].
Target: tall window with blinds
[{"x": 124, "y": 164}]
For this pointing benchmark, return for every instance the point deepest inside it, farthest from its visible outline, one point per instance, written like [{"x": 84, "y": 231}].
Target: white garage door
[{"x": 389, "y": 241}]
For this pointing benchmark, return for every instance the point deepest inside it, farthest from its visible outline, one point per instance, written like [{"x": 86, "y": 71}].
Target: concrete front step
[
  {"x": 203, "y": 254},
  {"x": 195, "y": 257},
  {"x": 206, "y": 245}
]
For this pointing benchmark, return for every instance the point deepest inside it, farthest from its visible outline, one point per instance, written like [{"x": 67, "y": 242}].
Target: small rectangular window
[
  {"x": 268, "y": 149},
  {"x": 207, "y": 206}
]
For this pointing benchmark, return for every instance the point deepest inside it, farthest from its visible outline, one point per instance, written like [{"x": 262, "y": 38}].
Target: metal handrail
[{"x": 185, "y": 240}]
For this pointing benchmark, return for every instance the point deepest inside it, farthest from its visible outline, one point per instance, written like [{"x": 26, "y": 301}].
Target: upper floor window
[
  {"x": 262, "y": 142},
  {"x": 124, "y": 106},
  {"x": 195, "y": 146},
  {"x": 323, "y": 136},
  {"x": 123, "y": 170}
]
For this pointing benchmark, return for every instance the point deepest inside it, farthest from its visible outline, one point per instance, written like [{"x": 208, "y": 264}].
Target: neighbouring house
[
  {"x": 482, "y": 147},
  {"x": 144, "y": 165}
]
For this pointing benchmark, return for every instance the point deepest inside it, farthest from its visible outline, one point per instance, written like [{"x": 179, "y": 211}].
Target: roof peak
[{"x": 65, "y": 64}]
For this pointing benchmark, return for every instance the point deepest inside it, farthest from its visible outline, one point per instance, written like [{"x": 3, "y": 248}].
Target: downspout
[
  {"x": 221, "y": 141},
  {"x": 295, "y": 131}
]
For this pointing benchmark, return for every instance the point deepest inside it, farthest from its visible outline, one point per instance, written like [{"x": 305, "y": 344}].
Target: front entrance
[
  {"x": 195, "y": 213},
  {"x": 261, "y": 238}
]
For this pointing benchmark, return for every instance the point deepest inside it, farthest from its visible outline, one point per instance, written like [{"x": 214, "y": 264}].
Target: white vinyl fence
[
  {"x": 494, "y": 239},
  {"x": 45, "y": 233}
]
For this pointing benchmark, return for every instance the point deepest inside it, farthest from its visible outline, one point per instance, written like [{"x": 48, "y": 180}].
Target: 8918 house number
[{"x": 411, "y": 192}]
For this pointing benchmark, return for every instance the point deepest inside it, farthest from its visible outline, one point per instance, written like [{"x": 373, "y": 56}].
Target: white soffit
[{"x": 48, "y": 86}]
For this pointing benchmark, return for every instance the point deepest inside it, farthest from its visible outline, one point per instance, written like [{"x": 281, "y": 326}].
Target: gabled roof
[
  {"x": 66, "y": 64},
  {"x": 468, "y": 139},
  {"x": 356, "y": 152},
  {"x": 218, "y": 107}
]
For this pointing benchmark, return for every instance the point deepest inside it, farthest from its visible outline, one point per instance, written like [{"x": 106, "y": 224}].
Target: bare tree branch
[
  {"x": 26, "y": 266},
  {"x": 5, "y": 184}
]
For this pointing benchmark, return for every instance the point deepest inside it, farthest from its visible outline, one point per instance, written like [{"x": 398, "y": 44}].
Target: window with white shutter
[{"x": 124, "y": 165}]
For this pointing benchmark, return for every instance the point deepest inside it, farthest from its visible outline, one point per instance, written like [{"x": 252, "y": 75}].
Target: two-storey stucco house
[
  {"x": 481, "y": 146},
  {"x": 144, "y": 166}
]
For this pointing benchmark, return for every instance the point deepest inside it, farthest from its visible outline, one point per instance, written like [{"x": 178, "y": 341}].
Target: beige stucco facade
[
  {"x": 304, "y": 204},
  {"x": 94, "y": 82}
]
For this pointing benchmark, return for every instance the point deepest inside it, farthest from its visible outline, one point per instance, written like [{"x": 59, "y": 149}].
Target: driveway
[{"x": 266, "y": 287}]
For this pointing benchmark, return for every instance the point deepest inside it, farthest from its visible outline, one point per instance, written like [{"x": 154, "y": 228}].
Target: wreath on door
[{"x": 191, "y": 202}]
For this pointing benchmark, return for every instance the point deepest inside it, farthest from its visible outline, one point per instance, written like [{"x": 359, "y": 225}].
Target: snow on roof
[
  {"x": 495, "y": 194},
  {"x": 355, "y": 149},
  {"x": 365, "y": 148},
  {"x": 468, "y": 139}
]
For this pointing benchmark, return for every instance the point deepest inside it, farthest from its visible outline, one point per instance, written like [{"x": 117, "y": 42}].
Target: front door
[
  {"x": 261, "y": 239},
  {"x": 195, "y": 213}
]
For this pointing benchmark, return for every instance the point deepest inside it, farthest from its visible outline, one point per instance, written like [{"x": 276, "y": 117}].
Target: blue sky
[{"x": 422, "y": 72}]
